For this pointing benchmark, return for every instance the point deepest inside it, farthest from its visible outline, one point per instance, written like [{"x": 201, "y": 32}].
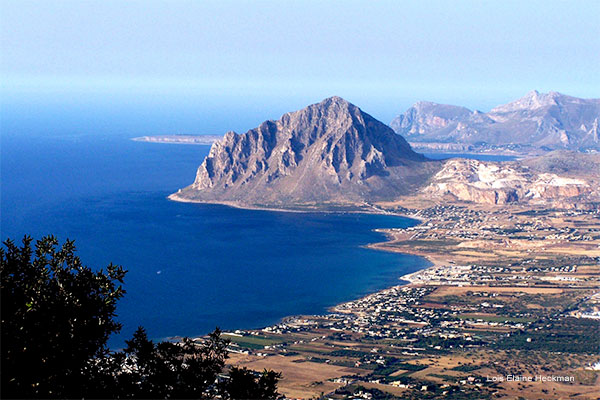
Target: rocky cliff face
[
  {"x": 558, "y": 177},
  {"x": 327, "y": 152},
  {"x": 536, "y": 122},
  {"x": 425, "y": 116}
]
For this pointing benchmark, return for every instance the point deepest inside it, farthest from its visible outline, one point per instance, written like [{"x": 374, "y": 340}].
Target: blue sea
[
  {"x": 69, "y": 168},
  {"x": 191, "y": 267}
]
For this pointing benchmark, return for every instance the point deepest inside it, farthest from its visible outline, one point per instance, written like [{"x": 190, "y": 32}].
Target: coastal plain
[
  {"x": 490, "y": 307},
  {"x": 510, "y": 306}
]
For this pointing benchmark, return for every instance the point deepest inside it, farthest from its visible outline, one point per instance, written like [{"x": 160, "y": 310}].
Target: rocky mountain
[
  {"x": 330, "y": 152},
  {"x": 558, "y": 177},
  {"x": 536, "y": 123}
]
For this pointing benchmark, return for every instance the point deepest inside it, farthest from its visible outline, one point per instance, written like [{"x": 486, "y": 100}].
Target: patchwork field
[{"x": 511, "y": 294}]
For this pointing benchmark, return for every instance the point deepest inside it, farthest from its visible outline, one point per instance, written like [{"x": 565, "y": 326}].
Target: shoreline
[
  {"x": 484, "y": 298},
  {"x": 404, "y": 280},
  {"x": 175, "y": 197},
  {"x": 197, "y": 140},
  {"x": 357, "y": 210}
]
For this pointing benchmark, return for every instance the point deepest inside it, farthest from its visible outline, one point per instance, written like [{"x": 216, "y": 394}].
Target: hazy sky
[{"x": 476, "y": 53}]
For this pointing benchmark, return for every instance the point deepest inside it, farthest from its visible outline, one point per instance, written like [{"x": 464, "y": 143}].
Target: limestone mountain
[
  {"x": 535, "y": 123},
  {"x": 330, "y": 152}
]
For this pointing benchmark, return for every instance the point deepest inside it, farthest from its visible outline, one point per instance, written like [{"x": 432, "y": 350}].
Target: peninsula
[{"x": 179, "y": 139}]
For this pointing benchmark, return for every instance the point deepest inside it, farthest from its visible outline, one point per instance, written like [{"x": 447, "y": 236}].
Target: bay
[
  {"x": 473, "y": 156},
  {"x": 191, "y": 267}
]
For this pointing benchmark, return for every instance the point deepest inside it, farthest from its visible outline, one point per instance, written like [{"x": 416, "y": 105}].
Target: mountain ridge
[{"x": 535, "y": 123}]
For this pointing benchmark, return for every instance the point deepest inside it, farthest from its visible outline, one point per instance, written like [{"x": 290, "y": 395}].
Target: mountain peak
[
  {"x": 334, "y": 104},
  {"x": 424, "y": 115},
  {"x": 328, "y": 151},
  {"x": 337, "y": 100},
  {"x": 331, "y": 109},
  {"x": 535, "y": 94},
  {"x": 425, "y": 103},
  {"x": 531, "y": 101}
]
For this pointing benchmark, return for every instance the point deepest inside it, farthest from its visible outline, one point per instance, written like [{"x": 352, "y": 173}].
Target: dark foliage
[
  {"x": 568, "y": 335},
  {"x": 57, "y": 316},
  {"x": 245, "y": 384},
  {"x": 169, "y": 370}
]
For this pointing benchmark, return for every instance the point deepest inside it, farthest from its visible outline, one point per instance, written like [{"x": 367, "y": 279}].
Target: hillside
[
  {"x": 560, "y": 178},
  {"x": 533, "y": 124}
]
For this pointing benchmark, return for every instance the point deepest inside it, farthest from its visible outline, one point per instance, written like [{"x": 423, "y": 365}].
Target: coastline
[
  {"x": 174, "y": 197},
  {"x": 342, "y": 343},
  {"x": 198, "y": 140},
  {"x": 404, "y": 280},
  {"x": 353, "y": 208}
]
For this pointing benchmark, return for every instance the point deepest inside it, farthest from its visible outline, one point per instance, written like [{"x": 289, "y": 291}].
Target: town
[{"x": 511, "y": 292}]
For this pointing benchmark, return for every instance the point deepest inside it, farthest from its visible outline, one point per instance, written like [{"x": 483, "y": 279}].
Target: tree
[
  {"x": 245, "y": 384},
  {"x": 57, "y": 316},
  {"x": 170, "y": 370}
]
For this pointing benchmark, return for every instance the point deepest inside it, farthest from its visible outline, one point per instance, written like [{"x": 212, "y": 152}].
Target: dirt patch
[
  {"x": 300, "y": 379},
  {"x": 458, "y": 290}
]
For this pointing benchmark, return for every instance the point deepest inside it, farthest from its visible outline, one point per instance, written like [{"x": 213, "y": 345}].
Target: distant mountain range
[
  {"x": 535, "y": 123},
  {"x": 332, "y": 153}
]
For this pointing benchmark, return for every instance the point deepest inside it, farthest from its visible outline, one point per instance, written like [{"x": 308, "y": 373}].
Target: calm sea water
[
  {"x": 482, "y": 157},
  {"x": 191, "y": 267}
]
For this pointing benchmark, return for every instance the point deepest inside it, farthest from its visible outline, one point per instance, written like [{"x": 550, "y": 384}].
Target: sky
[{"x": 381, "y": 55}]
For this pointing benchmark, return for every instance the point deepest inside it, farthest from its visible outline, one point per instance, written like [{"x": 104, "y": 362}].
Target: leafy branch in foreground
[{"x": 56, "y": 317}]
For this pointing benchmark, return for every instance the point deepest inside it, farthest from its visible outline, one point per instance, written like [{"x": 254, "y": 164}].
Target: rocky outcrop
[
  {"x": 425, "y": 116},
  {"x": 327, "y": 152},
  {"x": 536, "y": 122},
  {"x": 509, "y": 182}
]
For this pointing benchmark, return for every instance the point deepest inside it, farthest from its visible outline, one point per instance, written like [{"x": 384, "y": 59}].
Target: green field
[{"x": 253, "y": 342}]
